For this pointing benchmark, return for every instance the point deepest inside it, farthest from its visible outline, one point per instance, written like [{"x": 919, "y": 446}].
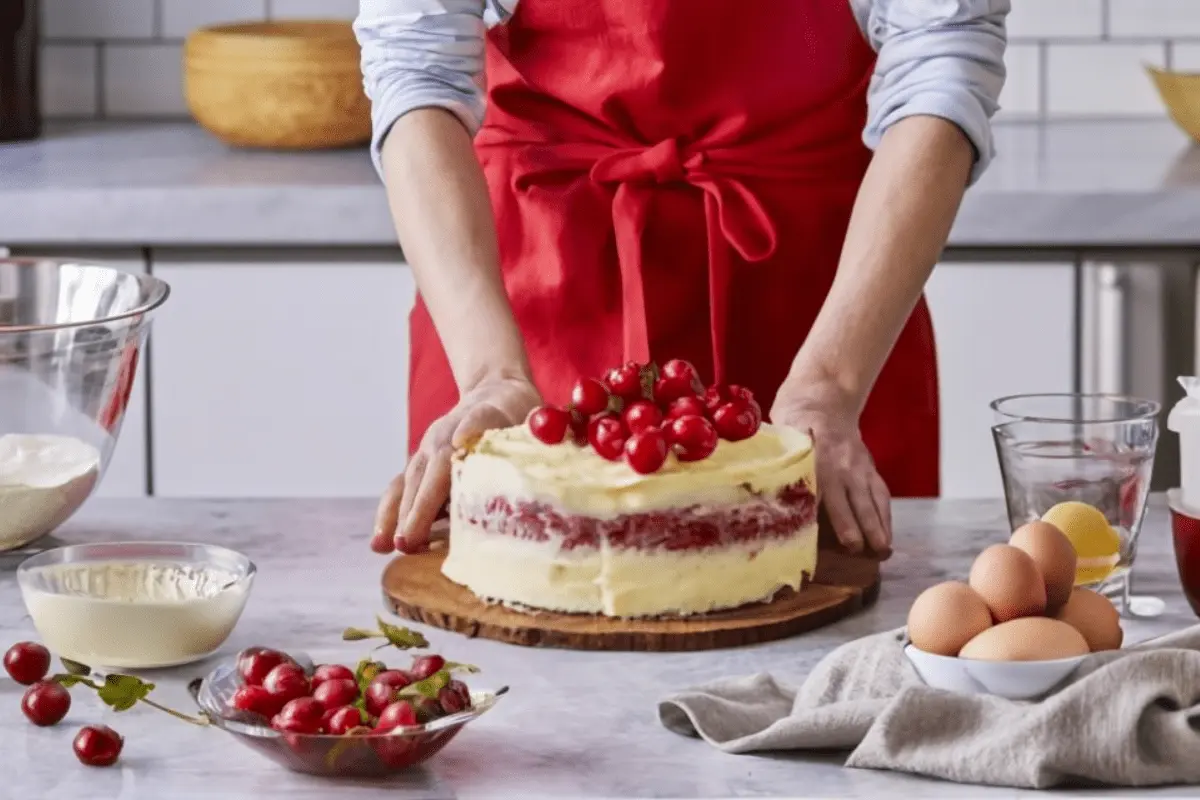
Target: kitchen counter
[
  {"x": 1062, "y": 185},
  {"x": 575, "y": 724}
]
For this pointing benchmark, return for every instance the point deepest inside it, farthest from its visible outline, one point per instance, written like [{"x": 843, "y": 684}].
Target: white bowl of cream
[{"x": 135, "y": 605}]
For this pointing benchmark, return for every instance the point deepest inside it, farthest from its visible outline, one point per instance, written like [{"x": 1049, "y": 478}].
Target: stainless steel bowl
[{"x": 71, "y": 340}]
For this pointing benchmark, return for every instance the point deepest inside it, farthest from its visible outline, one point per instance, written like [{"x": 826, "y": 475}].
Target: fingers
[
  {"x": 413, "y": 475},
  {"x": 845, "y": 525},
  {"x": 477, "y": 420},
  {"x": 386, "y": 516},
  {"x": 862, "y": 502},
  {"x": 430, "y": 495},
  {"x": 883, "y": 504}
]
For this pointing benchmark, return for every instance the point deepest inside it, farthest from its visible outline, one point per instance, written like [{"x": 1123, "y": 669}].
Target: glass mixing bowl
[{"x": 71, "y": 339}]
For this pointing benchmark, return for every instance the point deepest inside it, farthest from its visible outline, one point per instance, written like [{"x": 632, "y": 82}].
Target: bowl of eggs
[{"x": 1018, "y": 627}]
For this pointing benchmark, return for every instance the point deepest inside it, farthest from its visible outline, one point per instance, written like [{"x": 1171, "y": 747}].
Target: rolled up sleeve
[
  {"x": 420, "y": 54},
  {"x": 942, "y": 58}
]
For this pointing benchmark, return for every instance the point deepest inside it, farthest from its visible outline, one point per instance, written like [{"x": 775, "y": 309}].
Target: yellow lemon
[{"x": 1096, "y": 543}]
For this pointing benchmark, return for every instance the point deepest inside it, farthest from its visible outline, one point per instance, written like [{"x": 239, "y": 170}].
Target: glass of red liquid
[{"x": 1185, "y": 529}]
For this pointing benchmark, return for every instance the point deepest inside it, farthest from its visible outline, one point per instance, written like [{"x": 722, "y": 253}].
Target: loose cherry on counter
[
  {"x": 693, "y": 437},
  {"x": 331, "y": 672},
  {"x": 286, "y": 682},
  {"x": 45, "y": 703},
  {"x": 254, "y": 663},
  {"x": 336, "y": 693},
  {"x": 589, "y": 396},
  {"x": 97, "y": 746},
  {"x": 27, "y": 662},
  {"x": 549, "y": 424},
  {"x": 646, "y": 452}
]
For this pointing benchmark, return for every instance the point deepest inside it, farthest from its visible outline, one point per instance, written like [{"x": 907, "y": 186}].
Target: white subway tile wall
[{"x": 1068, "y": 58}]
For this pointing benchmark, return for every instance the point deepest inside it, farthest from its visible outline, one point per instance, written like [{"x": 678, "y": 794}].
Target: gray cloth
[{"x": 1125, "y": 718}]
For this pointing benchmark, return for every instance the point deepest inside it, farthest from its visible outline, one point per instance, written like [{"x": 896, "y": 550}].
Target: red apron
[{"x": 674, "y": 180}]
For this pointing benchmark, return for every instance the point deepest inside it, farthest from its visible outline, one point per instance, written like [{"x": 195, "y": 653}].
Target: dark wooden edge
[{"x": 640, "y": 641}]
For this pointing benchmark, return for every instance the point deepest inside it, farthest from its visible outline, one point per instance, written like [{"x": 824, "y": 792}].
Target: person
[{"x": 760, "y": 188}]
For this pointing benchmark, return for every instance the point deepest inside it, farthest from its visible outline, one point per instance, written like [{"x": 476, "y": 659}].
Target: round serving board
[{"x": 415, "y": 588}]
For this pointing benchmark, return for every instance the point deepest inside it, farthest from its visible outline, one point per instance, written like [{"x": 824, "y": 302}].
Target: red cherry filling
[{"x": 549, "y": 424}]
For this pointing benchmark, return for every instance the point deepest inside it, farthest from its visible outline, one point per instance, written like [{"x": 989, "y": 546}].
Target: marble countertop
[
  {"x": 1064, "y": 185},
  {"x": 575, "y": 724}
]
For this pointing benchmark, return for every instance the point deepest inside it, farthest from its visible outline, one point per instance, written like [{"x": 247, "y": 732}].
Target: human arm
[
  {"x": 931, "y": 101},
  {"x": 420, "y": 60}
]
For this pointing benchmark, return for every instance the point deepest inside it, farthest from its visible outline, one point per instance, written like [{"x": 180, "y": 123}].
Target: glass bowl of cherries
[{"x": 367, "y": 721}]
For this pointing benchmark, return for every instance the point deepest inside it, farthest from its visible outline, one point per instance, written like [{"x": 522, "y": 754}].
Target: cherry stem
[{"x": 202, "y": 721}]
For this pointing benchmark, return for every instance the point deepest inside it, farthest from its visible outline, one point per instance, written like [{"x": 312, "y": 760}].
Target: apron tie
[{"x": 734, "y": 219}]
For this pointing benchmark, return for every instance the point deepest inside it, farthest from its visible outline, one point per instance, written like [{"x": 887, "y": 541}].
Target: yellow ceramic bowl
[
  {"x": 293, "y": 84},
  {"x": 1180, "y": 92}
]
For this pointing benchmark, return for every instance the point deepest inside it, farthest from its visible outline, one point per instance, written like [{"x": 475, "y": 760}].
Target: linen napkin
[{"x": 1124, "y": 718}]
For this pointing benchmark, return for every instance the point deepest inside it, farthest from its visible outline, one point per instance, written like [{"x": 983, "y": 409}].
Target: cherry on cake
[{"x": 648, "y": 495}]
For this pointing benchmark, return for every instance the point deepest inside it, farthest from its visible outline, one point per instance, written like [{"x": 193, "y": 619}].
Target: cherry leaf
[
  {"x": 430, "y": 686},
  {"x": 68, "y": 680},
  {"x": 454, "y": 666},
  {"x": 356, "y": 635},
  {"x": 75, "y": 667},
  {"x": 401, "y": 637},
  {"x": 122, "y": 692}
]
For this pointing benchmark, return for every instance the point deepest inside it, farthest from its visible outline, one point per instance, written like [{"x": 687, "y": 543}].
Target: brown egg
[
  {"x": 1026, "y": 639},
  {"x": 945, "y": 617},
  {"x": 1054, "y": 556},
  {"x": 1096, "y": 619},
  {"x": 1009, "y": 582}
]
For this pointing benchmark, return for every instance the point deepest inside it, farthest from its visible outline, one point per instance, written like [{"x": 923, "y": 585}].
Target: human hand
[
  {"x": 412, "y": 500},
  {"x": 854, "y": 495}
]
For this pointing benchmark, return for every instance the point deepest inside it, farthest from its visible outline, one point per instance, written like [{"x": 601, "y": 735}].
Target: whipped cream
[
  {"x": 134, "y": 614},
  {"x": 512, "y": 463},
  {"x": 43, "y": 479}
]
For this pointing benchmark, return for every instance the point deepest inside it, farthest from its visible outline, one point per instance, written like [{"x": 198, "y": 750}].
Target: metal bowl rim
[{"x": 161, "y": 291}]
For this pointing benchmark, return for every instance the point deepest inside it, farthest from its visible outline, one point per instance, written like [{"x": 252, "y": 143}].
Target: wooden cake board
[{"x": 415, "y": 588}]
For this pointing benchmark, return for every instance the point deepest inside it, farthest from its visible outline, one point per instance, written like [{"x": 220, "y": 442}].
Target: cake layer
[
  {"x": 511, "y": 463},
  {"x": 627, "y": 582},
  {"x": 761, "y": 517}
]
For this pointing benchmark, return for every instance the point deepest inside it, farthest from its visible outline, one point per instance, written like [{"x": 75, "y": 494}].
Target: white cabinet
[
  {"x": 280, "y": 374},
  {"x": 127, "y": 472},
  {"x": 1001, "y": 329}
]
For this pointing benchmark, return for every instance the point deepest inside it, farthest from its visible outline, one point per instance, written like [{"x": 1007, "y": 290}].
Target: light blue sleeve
[
  {"x": 942, "y": 58},
  {"x": 421, "y": 54}
]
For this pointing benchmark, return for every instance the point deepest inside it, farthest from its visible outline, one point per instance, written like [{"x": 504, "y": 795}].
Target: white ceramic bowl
[
  {"x": 1015, "y": 680},
  {"x": 135, "y": 605}
]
